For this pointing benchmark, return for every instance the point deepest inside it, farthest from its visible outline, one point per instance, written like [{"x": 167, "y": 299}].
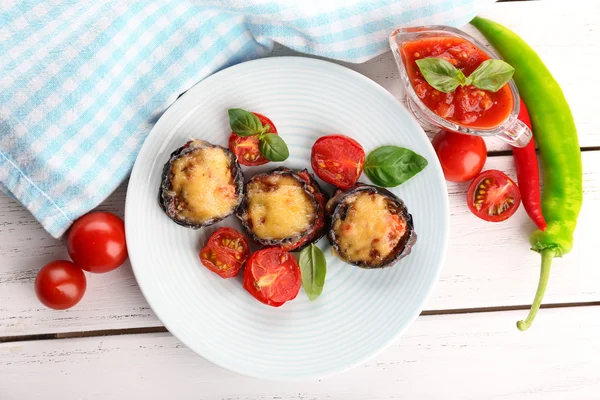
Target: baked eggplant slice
[
  {"x": 320, "y": 227},
  {"x": 370, "y": 226},
  {"x": 202, "y": 184},
  {"x": 279, "y": 208}
]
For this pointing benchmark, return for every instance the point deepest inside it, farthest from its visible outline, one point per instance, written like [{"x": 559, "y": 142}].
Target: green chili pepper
[{"x": 556, "y": 136}]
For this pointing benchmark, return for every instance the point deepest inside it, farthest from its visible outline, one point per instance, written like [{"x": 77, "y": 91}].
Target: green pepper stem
[{"x": 547, "y": 256}]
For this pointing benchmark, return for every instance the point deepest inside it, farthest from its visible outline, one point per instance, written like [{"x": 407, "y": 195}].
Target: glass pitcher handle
[{"x": 517, "y": 135}]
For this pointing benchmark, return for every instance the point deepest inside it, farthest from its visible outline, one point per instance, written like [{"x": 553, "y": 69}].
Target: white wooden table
[{"x": 464, "y": 346}]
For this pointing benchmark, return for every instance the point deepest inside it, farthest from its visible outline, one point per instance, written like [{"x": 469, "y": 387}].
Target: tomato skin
[
  {"x": 228, "y": 247},
  {"x": 96, "y": 242},
  {"x": 499, "y": 197},
  {"x": 60, "y": 285},
  {"x": 272, "y": 276},
  {"x": 338, "y": 160},
  {"x": 462, "y": 156},
  {"x": 240, "y": 146}
]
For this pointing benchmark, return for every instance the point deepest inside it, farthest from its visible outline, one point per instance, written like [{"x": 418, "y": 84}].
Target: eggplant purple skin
[
  {"x": 287, "y": 243},
  {"x": 166, "y": 197},
  {"x": 335, "y": 210}
]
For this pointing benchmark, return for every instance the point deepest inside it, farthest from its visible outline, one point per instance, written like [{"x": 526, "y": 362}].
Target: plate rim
[{"x": 420, "y": 303}]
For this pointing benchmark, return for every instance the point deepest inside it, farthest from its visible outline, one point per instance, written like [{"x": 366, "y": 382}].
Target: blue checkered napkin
[{"x": 83, "y": 82}]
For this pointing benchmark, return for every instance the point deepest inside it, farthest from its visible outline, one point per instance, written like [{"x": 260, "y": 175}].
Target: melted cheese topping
[
  {"x": 204, "y": 185},
  {"x": 279, "y": 208},
  {"x": 370, "y": 231}
]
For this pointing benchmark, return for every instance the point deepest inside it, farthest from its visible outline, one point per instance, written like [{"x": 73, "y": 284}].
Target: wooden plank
[
  {"x": 469, "y": 356},
  {"x": 488, "y": 265},
  {"x": 558, "y": 29},
  {"x": 112, "y": 300},
  {"x": 491, "y": 264},
  {"x": 555, "y": 29}
]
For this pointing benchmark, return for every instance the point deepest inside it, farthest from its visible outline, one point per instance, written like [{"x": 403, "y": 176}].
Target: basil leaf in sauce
[
  {"x": 492, "y": 75},
  {"x": 462, "y": 79},
  {"x": 244, "y": 123},
  {"x": 273, "y": 147},
  {"x": 313, "y": 267},
  {"x": 390, "y": 166},
  {"x": 439, "y": 73}
]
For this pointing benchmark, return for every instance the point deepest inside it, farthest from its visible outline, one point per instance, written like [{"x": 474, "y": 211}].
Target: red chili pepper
[{"x": 528, "y": 175}]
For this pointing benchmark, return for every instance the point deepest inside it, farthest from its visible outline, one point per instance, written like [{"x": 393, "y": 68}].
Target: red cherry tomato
[
  {"x": 225, "y": 252},
  {"x": 338, "y": 159},
  {"x": 272, "y": 276},
  {"x": 462, "y": 156},
  {"x": 493, "y": 196},
  {"x": 246, "y": 148},
  {"x": 60, "y": 284},
  {"x": 96, "y": 242}
]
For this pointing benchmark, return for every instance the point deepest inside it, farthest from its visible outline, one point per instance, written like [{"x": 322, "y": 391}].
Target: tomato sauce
[{"x": 467, "y": 105}]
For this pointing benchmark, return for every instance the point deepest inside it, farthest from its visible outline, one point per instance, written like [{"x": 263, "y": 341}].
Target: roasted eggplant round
[
  {"x": 280, "y": 208},
  {"x": 369, "y": 226},
  {"x": 202, "y": 184},
  {"x": 320, "y": 227}
]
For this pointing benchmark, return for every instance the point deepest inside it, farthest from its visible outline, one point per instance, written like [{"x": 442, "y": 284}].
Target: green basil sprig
[
  {"x": 390, "y": 166},
  {"x": 491, "y": 75},
  {"x": 273, "y": 147},
  {"x": 244, "y": 123},
  {"x": 313, "y": 267},
  {"x": 439, "y": 73}
]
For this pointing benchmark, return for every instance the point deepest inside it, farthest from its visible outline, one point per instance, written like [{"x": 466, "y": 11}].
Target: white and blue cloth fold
[{"x": 83, "y": 82}]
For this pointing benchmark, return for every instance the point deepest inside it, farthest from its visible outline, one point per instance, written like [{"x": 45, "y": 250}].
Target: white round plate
[{"x": 360, "y": 311}]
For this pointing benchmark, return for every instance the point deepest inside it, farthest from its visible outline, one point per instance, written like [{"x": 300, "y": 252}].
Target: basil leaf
[
  {"x": 313, "y": 267},
  {"x": 265, "y": 129},
  {"x": 244, "y": 123},
  {"x": 439, "y": 73},
  {"x": 492, "y": 75},
  {"x": 390, "y": 166},
  {"x": 273, "y": 148},
  {"x": 462, "y": 79}
]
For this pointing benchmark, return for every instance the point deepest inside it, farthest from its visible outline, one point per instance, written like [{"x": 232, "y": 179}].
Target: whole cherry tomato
[
  {"x": 225, "y": 252},
  {"x": 338, "y": 159},
  {"x": 96, "y": 242},
  {"x": 462, "y": 156},
  {"x": 246, "y": 148},
  {"x": 60, "y": 284}
]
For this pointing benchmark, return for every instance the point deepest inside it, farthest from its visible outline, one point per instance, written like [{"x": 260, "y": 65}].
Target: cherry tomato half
[
  {"x": 225, "y": 252},
  {"x": 338, "y": 159},
  {"x": 60, "y": 284},
  {"x": 246, "y": 148},
  {"x": 96, "y": 242},
  {"x": 272, "y": 276},
  {"x": 462, "y": 156},
  {"x": 493, "y": 196}
]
